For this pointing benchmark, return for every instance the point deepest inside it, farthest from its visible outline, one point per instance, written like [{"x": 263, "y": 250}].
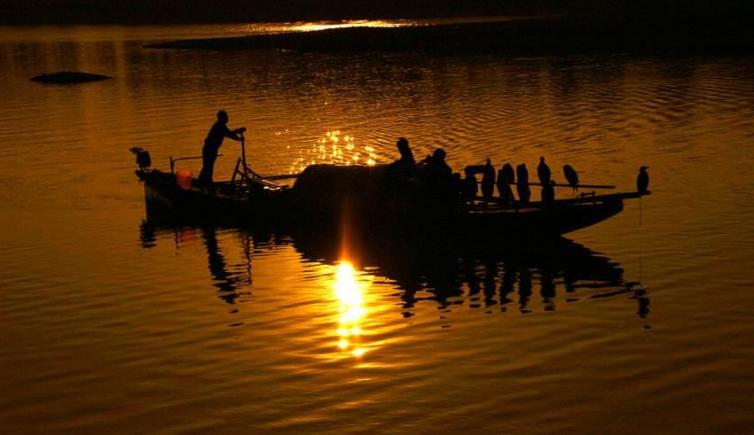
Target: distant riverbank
[{"x": 533, "y": 36}]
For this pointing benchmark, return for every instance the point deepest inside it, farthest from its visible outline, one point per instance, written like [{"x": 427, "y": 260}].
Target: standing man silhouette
[{"x": 212, "y": 143}]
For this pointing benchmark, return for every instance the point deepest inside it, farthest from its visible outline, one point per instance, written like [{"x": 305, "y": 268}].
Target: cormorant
[
  {"x": 543, "y": 171},
  {"x": 488, "y": 180},
  {"x": 142, "y": 157},
  {"x": 505, "y": 178},
  {"x": 571, "y": 176},
  {"x": 642, "y": 180},
  {"x": 509, "y": 174},
  {"x": 524, "y": 192}
]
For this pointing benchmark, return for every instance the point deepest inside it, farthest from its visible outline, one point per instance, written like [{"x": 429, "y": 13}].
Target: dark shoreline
[{"x": 542, "y": 36}]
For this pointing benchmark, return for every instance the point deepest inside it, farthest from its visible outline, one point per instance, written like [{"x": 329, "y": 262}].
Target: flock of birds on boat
[{"x": 506, "y": 176}]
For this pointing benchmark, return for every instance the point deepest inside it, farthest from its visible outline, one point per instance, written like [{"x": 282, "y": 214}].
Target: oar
[{"x": 281, "y": 177}]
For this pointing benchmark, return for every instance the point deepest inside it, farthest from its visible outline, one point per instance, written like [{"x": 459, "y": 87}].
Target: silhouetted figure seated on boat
[
  {"x": 438, "y": 176},
  {"x": 402, "y": 169},
  {"x": 548, "y": 193},
  {"x": 488, "y": 181},
  {"x": 642, "y": 180},
  {"x": 505, "y": 178},
  {"x": 407, "y": 157},
  {"x": 436, "y": 166},
  {"x": 212, "y": 143},
  {"x": 469, "y": 187},
  {"x": 522, "y": 185}
]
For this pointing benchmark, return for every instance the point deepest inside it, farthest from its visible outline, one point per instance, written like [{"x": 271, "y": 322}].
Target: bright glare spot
[
  {"x": 347, "y": 288},
  {"x": 313, "y": 27},
  {"x": 350, "y": 294}
]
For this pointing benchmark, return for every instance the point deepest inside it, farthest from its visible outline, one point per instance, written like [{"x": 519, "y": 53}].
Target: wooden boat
[{"x": 357, "y": 195}]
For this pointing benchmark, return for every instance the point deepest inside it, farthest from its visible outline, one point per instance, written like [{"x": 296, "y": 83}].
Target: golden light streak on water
[
  {"x": 350, "y": 291},
  {"x": 335, "y": 147},
  {"x": 328, "y": 25}
]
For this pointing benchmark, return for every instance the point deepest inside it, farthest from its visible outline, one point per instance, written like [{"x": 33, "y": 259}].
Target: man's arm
[{"x": 234, "y": 134}]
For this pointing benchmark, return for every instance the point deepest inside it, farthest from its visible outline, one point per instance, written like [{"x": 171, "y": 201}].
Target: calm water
[{"x": 642, "y": 323}]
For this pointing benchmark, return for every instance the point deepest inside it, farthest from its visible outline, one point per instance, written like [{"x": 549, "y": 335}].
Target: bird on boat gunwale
[
  {"x": 572, "y": 176},
  {"x": 543, "y": 172},
  {"x": 642, "y": 180}
]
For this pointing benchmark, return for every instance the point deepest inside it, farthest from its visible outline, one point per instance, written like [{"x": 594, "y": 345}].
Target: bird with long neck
[
  {"x": 488, "y": 180},
  {"x": 642, "y": 180},
  {"x": 572, "y": 176},
  {"x": 544, "y": 173},
  {"x": 522, "y": 184}
]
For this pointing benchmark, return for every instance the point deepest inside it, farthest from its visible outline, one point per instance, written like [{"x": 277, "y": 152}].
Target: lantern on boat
[{"x": 183, "y": 178}]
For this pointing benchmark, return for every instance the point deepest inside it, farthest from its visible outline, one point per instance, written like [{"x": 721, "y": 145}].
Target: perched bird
[
  {"x": 543, "y": 171},
  {"x": 142, "y": 157},
  {"x": 488, "y": 180},
  {"x": 505, "y": 177},
  {"x": 572, "y": 176},
  {"x": 642, "y": 180},
  {"x": 508, "y": 174},
  {"x": 522, "y": 185}
]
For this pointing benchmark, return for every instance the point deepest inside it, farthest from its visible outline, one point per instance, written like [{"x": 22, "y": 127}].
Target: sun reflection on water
[
  {"x": 335, "y": 147},
  {"x": 313, "y": 26},
  {"x": 350, "y": 291}
]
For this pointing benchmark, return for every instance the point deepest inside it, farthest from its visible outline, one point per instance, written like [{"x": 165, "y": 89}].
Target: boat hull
[
  {"x": 166, "y": 200},
  {"x": 480, "y": 220},
  {"x": 538, "y": 222}
]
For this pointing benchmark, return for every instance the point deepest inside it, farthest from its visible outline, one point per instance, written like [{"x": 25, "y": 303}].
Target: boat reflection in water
[
  {"x": 480, "y": 276},
  {"x": 521, "y": 278},
  {"x": 231, "y": 281}
]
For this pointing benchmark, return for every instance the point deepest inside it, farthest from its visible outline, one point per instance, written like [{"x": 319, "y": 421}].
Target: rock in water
[{"x": 67, "y": 77}]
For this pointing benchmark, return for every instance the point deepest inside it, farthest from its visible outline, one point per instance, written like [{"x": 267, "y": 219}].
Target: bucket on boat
[{"x": 183, "y": 178}]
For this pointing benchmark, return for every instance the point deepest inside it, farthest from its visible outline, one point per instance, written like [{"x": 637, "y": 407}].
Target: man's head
[
  {"x": 222, "y": 116},
  {"x": 439, "y": 154}
]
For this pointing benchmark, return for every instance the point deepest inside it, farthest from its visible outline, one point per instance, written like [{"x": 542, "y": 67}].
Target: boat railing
[
  {"x": 243, "y": 174},
  {"x": 173, "y": 160},
  {"x": 491, "y": 204},
  {"x": 578, "y": 186}
]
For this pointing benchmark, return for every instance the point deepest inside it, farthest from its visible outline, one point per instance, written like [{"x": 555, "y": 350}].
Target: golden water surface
[{"x": 109, "y": 323}]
